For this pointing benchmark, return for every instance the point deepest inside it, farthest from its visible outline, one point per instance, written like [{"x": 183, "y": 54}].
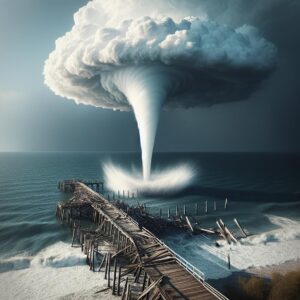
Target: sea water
[{"x": 263, "y": 192}]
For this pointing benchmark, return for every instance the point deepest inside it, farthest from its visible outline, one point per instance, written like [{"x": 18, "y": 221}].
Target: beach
[{"x": 57, "y": 272}]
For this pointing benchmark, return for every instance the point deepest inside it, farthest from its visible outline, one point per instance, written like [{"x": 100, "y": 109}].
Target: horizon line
[{"x": 155, "y": 152}]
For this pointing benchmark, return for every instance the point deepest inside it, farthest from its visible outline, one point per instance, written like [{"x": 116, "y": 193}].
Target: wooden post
[
  {"x": 108, "y": 273},
  {"x": 128, "y": 296},
  {"x": 62, "y": 214},
  {"x": 136, "y": 280},
  {"x": 111, "y": 229},
  {"x": 91, "y": 255},
  {"x": 206, "y": 207},
  {"x": 128, "y": 194},
  {"x": 115, "y": 276},
  {"x": 148, "y": 283},
  {"x": 114, "y": 237},
  {"x": 169, "y": 214},
  {"x": 228, "y": 257},
  {"x": 118, "y": 240},
  {"x": 102, "y": 262},
  {"x": 144, "y": 281},
  {"x": 184, "y": 210},
  {"x": 81, "y": 240},
  {"x": 119, "y": 281},
  {"x": 106, "y": 266},
  {"x": 93, "y": 259},
  {"x": 125, "y": 288},
  {"x": 73, "y": 236},
  {"x": 189, "y": 223},
  {"x": 240, "y": 227},
  {"x": 225, "y": 204}
]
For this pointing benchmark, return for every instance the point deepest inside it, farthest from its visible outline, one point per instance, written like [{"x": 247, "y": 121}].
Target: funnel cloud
[{"x": 141, "y": 56}]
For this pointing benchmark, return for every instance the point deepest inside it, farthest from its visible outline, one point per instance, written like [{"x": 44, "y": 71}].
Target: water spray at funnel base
[{"x": 162, "y": 182}]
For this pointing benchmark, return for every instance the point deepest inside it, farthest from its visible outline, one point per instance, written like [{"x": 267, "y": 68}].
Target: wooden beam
[
  {"x": 150, "y": 287},
  {"x": 114, "y": 278},
  {"x": 189, "y": 223}
]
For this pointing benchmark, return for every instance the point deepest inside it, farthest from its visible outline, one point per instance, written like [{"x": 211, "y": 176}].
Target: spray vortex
[{"x": 123, "y": 59}]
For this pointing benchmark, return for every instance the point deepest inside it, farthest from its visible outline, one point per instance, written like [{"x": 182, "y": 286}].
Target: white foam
[
  {"x": 58, "y": 255},
  {"x": 55, "y": 272},
  {"x": 170, "y": 180},
  {"x": 270, "y": 248}
]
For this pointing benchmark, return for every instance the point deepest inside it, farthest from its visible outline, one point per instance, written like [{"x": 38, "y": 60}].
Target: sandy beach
[
  {"x": 57, "y": 272},
  {"x": 49, "y": 283}
]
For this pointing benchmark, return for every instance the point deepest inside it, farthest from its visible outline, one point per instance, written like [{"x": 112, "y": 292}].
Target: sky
[{"x": 32, "y": 118}]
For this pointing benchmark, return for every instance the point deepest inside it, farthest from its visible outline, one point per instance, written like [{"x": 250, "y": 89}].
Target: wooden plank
[
  {"x": 150, "y": 287},
  {"x": 240, "y": 227},
  {"x": 189, "y": 223}
]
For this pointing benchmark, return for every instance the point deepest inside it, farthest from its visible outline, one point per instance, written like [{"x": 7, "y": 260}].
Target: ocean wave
[
  {"x": 58, "y": 255},
  {"x": 55, "y": 272},
  {"x": 14, "y": 263}
]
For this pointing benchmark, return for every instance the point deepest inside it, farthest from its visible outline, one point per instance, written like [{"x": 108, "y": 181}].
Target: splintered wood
[{"x": 136, "y": 264}]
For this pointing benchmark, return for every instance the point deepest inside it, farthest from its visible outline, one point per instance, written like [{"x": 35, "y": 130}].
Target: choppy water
[{"x": 263, "y": 192}]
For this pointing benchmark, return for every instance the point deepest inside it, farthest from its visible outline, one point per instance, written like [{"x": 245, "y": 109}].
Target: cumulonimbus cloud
[{"x": 219, "y": 63}]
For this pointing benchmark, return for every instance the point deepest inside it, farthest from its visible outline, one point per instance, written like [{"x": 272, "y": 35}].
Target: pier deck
[{"x": 169, "y": 275}]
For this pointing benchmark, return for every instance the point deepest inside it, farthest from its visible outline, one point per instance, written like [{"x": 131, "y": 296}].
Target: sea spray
[{"x": 163, "y": 182}]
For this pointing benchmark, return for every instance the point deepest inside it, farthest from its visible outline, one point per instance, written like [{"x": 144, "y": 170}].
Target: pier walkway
[{"x": 169, "y": 275}]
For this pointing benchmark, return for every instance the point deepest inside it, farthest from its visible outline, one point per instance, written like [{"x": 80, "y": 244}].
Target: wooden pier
[{"x": 143, "y": 266}]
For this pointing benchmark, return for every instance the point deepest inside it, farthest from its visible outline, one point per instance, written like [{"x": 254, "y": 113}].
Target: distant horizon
[{"x": 155, "y": 152}]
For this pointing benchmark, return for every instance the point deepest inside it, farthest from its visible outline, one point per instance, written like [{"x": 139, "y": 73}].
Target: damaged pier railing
[{"x": 136, "y": 264}]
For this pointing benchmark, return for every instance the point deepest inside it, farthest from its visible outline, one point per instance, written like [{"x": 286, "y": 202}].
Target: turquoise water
[{"x": 257, "y": 185}]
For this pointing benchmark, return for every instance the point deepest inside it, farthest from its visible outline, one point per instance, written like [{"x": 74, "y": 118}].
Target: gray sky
[{"x": 32, "y": 118}]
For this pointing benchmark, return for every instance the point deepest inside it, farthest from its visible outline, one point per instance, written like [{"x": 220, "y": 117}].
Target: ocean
[{"x": 263, "y": 192}]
